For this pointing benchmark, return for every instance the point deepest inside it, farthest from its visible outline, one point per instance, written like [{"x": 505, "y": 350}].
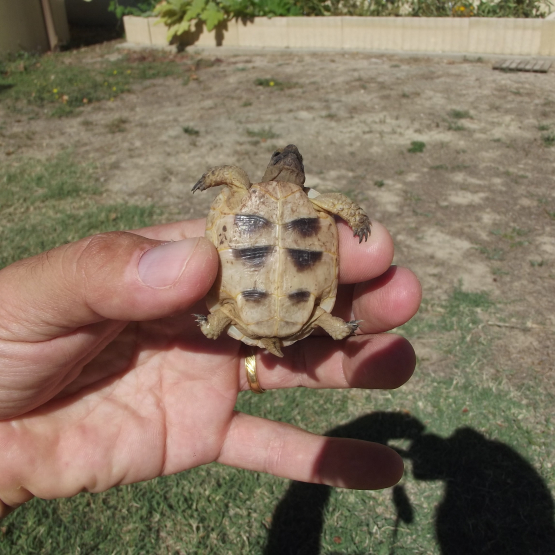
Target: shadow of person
[
  {"x": 494, "y": 501},
  {"x": 299, "y": 517}
]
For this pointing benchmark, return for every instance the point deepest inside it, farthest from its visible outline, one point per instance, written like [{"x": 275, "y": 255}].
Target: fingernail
[{"x": 162, "y": 265}]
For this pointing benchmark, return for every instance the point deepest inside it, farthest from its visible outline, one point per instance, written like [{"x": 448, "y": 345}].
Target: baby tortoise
[{"x": 278, "y": 248}]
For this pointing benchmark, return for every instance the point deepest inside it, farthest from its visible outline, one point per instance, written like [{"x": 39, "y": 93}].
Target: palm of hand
[
  {"x": 104, "y": 402},
  {"x": 152, "y": 400}
]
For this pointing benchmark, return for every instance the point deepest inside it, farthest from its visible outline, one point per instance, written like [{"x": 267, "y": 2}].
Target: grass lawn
[
  {"x": 56, "y": 85},
  {"x": 478, "y": 447}
]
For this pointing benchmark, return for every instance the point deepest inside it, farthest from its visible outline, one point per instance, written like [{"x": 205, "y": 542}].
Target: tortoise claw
[
  {"x": 353, "y": 325},
  {"x": 363, "y": 231},
  {"x": 199, "y": 185},
  {"x": 200, "y": 318}
]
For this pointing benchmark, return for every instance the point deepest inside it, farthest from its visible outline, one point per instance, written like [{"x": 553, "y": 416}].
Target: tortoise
[{"x": 278, "y": 248}]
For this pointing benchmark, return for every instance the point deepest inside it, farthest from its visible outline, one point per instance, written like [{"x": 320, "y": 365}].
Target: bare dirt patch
[{"x": 476, "y": 206}]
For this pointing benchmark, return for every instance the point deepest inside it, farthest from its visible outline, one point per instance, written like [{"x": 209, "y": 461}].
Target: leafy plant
[
  {"x": 270, "y": 8},
  {"x": 144, "y": 8},
  {"x": 274, "y": 83},
  {"x": 548, "y": 139},
  {"x": 260, "y": 82},
  {"x": 436, "y": 8},
  {"x": 511, "y": 8},
  {"x": 417, "y": 146},
  {"x": 181, "y": 15},
  {"x": 188, "y": 130},
  {"x": 460, "y": 114},
  {"x": 430, "y": 8},
  {"x": 178, "y": 15}
]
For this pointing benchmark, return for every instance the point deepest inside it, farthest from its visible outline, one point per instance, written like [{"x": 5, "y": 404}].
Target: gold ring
[{"x": 250, "y": 367}]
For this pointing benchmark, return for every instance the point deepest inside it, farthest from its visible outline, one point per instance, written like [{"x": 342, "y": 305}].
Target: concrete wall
[
  {"x": 58, "y": 8},
  {"x": 22, "y": 25},
  {"x": 526, "y": 37}
]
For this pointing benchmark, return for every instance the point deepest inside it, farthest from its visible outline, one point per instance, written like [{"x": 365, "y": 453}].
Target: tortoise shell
[
  {"x": 278, "y": 248},
  {"x": 279, "y": 261}
]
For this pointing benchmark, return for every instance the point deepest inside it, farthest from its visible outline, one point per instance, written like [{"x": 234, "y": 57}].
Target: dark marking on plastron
[
  {"x": 300, "y": 296},
  {"x": 250, "y": 223},
  {"x": 253, "y": 256},
  {"x": 304, "y": 260},
  {"x": 305, "y": 227},
  {"x": 224, "y": 229},
  {"x": 254, "y": 295}
]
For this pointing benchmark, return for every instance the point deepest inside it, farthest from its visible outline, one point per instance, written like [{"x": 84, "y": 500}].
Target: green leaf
[
  {"x": 184, "y": 27},
  {"x": 212, "y": 15},
  {"x": 172, "y": 32},
  {"x": 196, "y": 8}
]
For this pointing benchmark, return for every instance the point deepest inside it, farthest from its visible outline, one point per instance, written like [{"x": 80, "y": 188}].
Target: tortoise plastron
[{"x": 278, "y": 248}]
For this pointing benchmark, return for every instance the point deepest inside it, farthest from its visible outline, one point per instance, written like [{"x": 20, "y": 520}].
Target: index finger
[
  {"x": 358, "y": 262},
  {"x": 175, "y": 231}
]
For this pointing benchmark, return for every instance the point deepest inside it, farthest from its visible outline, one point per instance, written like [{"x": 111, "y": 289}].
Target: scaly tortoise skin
[{"x": 278, "y": 248}]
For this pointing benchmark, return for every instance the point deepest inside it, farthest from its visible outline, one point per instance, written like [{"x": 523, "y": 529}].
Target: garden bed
[{"x": 504, "y": 36}]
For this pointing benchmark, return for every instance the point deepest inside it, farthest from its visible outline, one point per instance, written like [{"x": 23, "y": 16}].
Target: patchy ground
[{"x": 476, "y": 205}]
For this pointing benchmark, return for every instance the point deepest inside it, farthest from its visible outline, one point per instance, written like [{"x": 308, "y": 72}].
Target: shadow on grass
[{"x": 494, "y": 501}]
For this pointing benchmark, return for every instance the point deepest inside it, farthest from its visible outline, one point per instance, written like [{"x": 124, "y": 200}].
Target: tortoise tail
[{"x": 273, "y": 345}]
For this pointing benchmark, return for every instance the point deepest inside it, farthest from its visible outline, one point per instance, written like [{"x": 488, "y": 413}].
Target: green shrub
[
  {"x": 144, "y": 8},
  {"x": 178, "y": 15},
  {"x": 511, "y": 8},
  {"x": 439, "y": 8},
  {"x": 181, "y": 15},
  {"x": 417, "y": 146}
]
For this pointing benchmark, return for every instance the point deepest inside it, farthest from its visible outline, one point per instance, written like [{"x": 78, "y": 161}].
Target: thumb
[{"x": 119, "y": 276}]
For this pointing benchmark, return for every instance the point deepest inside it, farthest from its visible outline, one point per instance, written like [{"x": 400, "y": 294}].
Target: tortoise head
[{"x": 286, "y": 164}]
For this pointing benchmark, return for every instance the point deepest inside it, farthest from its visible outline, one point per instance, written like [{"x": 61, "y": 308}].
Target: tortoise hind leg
[
  {"x": 336, "y": 327},
  {"x": 346, "y": 209},
  {"x": 232, "y": 176},
  {"x": 213, "y": 324}
]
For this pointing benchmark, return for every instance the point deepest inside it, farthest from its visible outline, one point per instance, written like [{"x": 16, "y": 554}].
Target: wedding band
[{"x": 250, "y": 367}]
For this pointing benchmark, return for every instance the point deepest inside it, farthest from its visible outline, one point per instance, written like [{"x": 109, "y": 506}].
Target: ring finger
[{"x": 384, "y": 361}]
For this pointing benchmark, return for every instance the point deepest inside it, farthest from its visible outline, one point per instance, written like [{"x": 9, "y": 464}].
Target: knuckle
[
  {"x": 274, "y": 455},
  {"x": 102, "y": 259},
  {"x": 101, "y": 250}
]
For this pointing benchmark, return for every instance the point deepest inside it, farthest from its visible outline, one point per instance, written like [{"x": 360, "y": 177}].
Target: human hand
[{"x": 105, "y": 378}]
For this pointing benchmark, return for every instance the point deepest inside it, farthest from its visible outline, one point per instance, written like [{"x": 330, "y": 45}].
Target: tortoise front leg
[
  {"x": 213, "y": 324},
  {"x": 232, "y": 176},
  {"x": 346, "y": 209}
]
